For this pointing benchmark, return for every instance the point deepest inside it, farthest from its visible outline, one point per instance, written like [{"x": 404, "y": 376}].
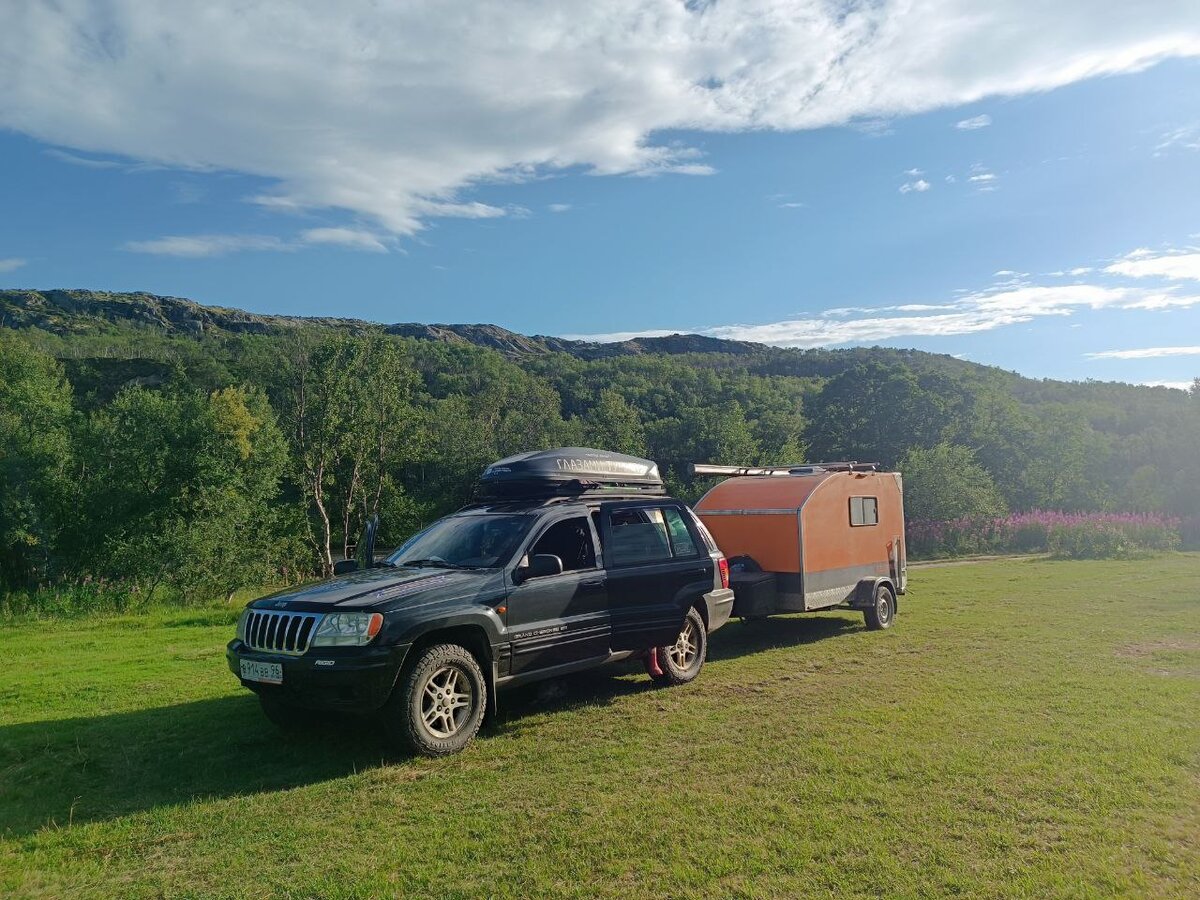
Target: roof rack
[{"x": 796, "y": 469}]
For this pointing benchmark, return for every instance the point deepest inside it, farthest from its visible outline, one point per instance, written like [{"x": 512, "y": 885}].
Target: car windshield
[{"x": 463, "y": 542}]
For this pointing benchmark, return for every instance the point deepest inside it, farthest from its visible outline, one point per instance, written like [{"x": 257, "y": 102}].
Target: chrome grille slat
[{"x": 283, "y": 632}]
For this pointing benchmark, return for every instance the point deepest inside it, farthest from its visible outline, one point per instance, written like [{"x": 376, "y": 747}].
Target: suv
[{"x": 577, "y": 559}]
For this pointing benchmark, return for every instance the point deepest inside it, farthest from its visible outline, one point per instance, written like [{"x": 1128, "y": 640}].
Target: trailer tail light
[{"x": 723, "y": 565}]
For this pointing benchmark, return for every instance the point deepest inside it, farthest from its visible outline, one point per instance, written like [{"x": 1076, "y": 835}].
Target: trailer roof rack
[
  {"x": 796, "y": 469},
  {"x": 569, "y": 472}
]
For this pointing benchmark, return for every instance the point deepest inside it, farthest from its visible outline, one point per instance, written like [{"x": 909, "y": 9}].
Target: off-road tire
[
  {"x": 682, "y": 661},
  {"x": 882, "y": 611},
  {"x": 285, "y": 716},
  {"x": 423, "y": 713}
]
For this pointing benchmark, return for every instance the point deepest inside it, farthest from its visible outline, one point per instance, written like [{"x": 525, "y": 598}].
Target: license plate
[{"x": 253, "y": 670}]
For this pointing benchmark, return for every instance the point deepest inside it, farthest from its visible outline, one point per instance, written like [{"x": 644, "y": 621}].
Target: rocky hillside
[{"x": 77, "y": 312}]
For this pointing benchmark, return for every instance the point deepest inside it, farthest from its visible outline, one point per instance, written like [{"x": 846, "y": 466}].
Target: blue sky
[{"x": 1036, "y": 212}]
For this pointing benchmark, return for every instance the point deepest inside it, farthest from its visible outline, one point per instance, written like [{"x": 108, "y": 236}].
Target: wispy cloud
[
  {"x": 559, "y": 207},
  {"x": 87, "y": 162},
  {"x": 793, "y": 204},
  {"x": 200, "y": 246},
  {"x": 920, "y": 186},
  {"x": 1143, "y": 263},
  {"x": 1185, "y": 138},
  {"x": 354, "y": 238},
  {"x": 12, "y": 263},
  {"x": 1014, "y": 298},
  {"x": 1145, "y": 353},
  {"x": 348, "y": 106},
  {"x": 974, "y": 123}
]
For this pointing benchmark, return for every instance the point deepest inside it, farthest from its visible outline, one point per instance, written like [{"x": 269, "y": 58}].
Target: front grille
[{"x": 280, "y": 632}]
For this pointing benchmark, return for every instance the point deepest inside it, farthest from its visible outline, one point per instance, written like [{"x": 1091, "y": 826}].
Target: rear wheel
[
  {"x": 439, "y": 704},
  {"x": 882, "y": 611},
  {"x": 681, "y": 662}
]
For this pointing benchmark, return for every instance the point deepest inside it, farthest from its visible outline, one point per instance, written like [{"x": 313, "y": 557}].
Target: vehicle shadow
[
  {"x": 72, "y": 771},
  {"x": 744, "y": 638}
]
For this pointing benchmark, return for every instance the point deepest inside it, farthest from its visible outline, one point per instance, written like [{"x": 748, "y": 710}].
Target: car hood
[{"x": 370, "y": 587}]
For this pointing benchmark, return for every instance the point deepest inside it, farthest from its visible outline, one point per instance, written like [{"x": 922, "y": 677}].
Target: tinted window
[
  {"x": 638, "y": 536},
  {"x": 648, "y": 534},
  {"x": 571, "y": 541},
  {"x": 864, "y": 511},
  {"x": 682, "y": 543}
]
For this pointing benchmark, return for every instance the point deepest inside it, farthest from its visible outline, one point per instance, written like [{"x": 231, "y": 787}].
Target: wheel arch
[{"x": 864, "y": 594}]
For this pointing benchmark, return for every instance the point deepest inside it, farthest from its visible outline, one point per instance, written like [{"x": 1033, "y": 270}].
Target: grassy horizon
[{"x": 1028, "y": 728}]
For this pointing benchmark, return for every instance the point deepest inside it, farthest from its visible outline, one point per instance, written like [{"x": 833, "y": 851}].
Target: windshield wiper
[{"x": 431, "y": 564}]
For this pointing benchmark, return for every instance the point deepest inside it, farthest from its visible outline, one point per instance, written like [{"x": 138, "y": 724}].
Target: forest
[{"x": 142, "y": 459}]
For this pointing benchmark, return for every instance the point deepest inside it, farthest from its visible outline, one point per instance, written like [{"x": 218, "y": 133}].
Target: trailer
[{"x": 810, "y": 537}]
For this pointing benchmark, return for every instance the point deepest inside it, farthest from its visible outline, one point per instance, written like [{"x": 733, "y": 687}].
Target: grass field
[{"x": 1028, "y": 728}]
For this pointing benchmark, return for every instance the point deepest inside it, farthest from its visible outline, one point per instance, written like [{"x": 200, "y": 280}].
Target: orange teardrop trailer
[{"x": 803, "y": 538}]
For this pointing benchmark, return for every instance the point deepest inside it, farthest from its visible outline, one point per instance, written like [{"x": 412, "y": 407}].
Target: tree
[
  {"x": 612, "y": 424},
  {"x": 186, "y": 487},
  {"x": 873, "y": 412},
  {"x": 35, "y": 458},
  {"x": 353, "y": 423},
  {"x": 945, "y": 482}
]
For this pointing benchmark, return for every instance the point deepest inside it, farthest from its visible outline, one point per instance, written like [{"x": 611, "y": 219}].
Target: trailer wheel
[
  {"x": 881, "y": 613},
  {"x": 681, "y": 662}
]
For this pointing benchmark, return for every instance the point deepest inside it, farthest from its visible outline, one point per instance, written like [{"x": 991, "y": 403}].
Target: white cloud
[
  {"x": 11, "y": 264},
  {"x": 920, "y": 186},
  {"x": 198, "y": 246},
  {"x": 1185, "y": 138},
  {"x": 983, "y": 177},
  {"x": 974, "y": 123},
  {"x": 353, "y": 238},
  {"x": 914, "y": 173},
  {"x": 793, "y": 204},
  {"x": 392, "y": 112},
  {"x": 201, "y": 245},
  {"x": 1143, "y": 263},
  {"x": 1006, "y": 303},
  {"x": 1145, "y": 353},
  {"x": 559, "y": 207},
  {"x": 86, "y": 162}
]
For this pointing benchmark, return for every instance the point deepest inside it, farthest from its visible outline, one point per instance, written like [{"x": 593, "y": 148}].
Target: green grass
[{"x": 1028, "y": 728}]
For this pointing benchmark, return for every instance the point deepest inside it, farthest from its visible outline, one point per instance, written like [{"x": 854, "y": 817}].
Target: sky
[{"x": 1010, "y": 182}]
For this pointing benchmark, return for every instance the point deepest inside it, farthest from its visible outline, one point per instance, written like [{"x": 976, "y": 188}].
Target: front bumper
[
  {"x": 720, "y": 607},
  {"x": 350, "y": 679}
]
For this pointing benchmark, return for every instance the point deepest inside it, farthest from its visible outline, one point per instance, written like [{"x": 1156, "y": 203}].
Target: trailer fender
[{"x": 864, "y": 593}]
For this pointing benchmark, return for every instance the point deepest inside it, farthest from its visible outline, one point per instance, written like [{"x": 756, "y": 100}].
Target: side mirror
[
  {"x": 541, "y": 565},
  {"x": 345, "y": 566}
]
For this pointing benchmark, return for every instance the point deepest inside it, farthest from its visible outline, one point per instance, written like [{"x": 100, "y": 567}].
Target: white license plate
[{"x": 253, "y": 670}]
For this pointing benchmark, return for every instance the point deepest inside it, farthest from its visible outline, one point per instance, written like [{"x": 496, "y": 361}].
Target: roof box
[{"x": 570, "y": 470}]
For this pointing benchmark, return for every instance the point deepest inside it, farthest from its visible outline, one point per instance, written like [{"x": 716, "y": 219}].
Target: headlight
[
  {"x": 241, "y": 630},
  {"x": 347, "y": 629}
]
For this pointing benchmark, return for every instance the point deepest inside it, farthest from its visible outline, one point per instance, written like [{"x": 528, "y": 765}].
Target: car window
[
  {"x": 682, "y": 543},
  {"x": 571, "y": 541},
  {"x": 466, "y": 541}
]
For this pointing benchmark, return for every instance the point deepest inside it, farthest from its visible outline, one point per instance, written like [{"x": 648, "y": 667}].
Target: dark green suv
[{"x": 574, "y": 558}]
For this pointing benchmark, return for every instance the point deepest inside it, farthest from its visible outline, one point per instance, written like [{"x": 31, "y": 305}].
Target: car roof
[{"x": 535, "y": 504}]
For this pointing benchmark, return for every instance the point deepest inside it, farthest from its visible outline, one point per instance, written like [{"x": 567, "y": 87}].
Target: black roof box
[{"x": 568, "y": 471}]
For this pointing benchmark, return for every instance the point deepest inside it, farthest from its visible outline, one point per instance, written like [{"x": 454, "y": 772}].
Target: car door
[
  {"x": 559, "y": 620},
  {"x": 655, "y": 569}
]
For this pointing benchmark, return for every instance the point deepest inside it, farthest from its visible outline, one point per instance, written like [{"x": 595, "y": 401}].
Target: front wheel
[
  {"x": 681, "y": 662},
  {"x": 879, "y": 615},
  {"x": 438, "y": 706}
]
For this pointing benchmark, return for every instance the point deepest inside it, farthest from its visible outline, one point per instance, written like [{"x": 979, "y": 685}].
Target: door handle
[{"x": 592, "y": 583}]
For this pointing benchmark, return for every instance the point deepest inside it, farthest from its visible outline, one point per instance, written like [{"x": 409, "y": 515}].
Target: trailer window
[{"x": 864, "y": 511}]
